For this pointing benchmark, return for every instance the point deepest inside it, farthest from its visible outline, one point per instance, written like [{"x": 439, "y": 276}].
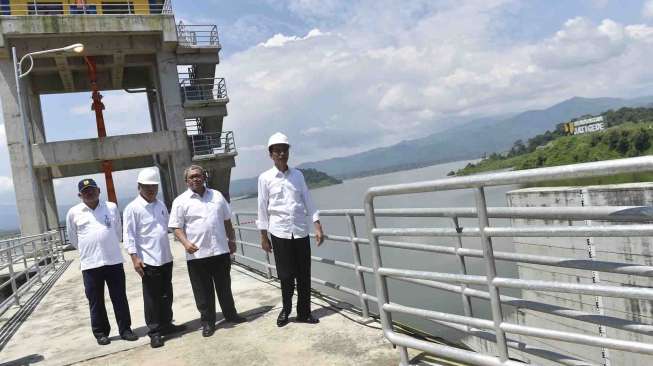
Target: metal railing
[
  {"x": 88, "y": 7},
  {"x": 25, "y": 261},
  {"x": 638, "y": 221},
  {"x": 210, "y": 145},
  {"x": 497, "y": 327},
  {"x": 203, "y": 90},
  {"x": 198, "y": 35},
  {"x": 193, "y": 126}
]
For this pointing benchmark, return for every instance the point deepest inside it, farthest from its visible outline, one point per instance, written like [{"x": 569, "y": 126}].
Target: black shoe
[
  {"x": 128, "y": 335},
  {"x": 282, "y": 319},
  {"x": 208, "y": 330},
  {"x": 172, "y": 329},
  {"x": 309, "y": 320},
  {"x": 236, "y": 319},
  {"x": 156, "y": 341},
  {"x": 103, "y": 341}
]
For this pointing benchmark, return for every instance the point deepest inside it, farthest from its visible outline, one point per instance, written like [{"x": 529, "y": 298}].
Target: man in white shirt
[
  {"x": 145, "y": 237},
  {"x": 283, "y": 204},
  {"x": 201, "y": 220},
  {"x": 94, "y": 228}
]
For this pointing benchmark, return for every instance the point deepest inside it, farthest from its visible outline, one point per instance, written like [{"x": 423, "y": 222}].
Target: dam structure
[
  {"x": 56, "y": 47},
  {"x": 398, "y": 285}
]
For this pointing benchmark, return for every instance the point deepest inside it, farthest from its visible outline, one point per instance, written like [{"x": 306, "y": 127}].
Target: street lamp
[{"x": 18, "y": 69}]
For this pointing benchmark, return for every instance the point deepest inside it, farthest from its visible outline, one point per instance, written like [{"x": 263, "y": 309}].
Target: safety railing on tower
[
  {"x": 203, "y": 90},
  {"x": 85, "y": 7},
  {"x": 198, "y": 35},
  {"x": 25, "y": 261},
  {"x": 211, "y": 145},
  {"x": 619, "y": 222}
]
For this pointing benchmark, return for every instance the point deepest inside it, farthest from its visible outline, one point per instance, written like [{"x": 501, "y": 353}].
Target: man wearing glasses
[
  {"x": 201, "y": 220},
  {"x": 283, "y": 204}
]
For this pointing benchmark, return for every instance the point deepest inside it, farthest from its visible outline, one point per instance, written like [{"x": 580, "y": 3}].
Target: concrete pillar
[
  {"x": 47, "y": 203},
  {"x": 28, "y": 209},
  {"x": 219, "y": 180},
  {"x": 173, "y": 116}
]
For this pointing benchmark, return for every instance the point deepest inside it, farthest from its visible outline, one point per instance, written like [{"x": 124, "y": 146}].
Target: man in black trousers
[
  {"x": 283, "y": 204},
  {"x": 201, "y": 220},
  {"x": 146, "y": 240},
  {"x": 94, "y": 228}
]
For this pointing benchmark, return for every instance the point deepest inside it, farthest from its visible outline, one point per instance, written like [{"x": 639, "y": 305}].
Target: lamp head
[{"x": 77, "y": 48}]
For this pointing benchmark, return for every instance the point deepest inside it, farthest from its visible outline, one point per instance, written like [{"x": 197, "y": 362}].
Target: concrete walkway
[{"x": 59, "y": 333}]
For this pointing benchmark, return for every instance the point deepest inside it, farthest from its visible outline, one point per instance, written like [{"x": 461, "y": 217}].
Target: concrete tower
[{"x": 135, "y": 46}]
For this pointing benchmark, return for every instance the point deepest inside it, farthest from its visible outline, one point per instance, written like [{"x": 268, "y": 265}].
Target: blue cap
[{"x": 85, "y": 183}]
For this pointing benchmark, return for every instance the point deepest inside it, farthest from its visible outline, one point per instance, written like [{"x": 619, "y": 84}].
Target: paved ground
[{"x": 58, "y": 332}]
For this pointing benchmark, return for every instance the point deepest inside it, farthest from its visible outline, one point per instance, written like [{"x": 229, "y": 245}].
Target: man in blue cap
[{"x": 94, "y": 229}]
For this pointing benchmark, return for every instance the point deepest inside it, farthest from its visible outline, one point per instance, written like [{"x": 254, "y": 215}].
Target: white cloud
[
  {"x": 395, "y": 70},
  {"x": 6, "y": 185},
  {"x": 252, "y": 148},
  {"x": 647, "y": 9},
  {"x": 279, "y": 40}
]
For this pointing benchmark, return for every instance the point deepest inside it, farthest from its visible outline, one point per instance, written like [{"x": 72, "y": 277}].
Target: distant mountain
[
  {"x": 469, "y": 140},
  {"x": 314, "y": 179}
]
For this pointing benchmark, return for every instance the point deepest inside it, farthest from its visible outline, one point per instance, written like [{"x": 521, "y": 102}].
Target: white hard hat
[
  {"x": 148, "y": 176},
  {"x": 278, "y": 138}
]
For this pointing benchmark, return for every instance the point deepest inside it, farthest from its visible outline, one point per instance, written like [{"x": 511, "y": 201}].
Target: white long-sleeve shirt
[
  {"x": 146, "y": 231},
  {"x": 202, "y": 220},
  {"x": 283, "y": 204},
  {"x": 95, "y": 233}
]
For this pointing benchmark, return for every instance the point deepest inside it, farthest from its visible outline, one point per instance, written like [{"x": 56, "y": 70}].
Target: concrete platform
[{"x": 58, "y": 331}]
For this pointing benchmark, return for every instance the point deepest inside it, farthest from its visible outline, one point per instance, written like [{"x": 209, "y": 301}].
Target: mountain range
[{"x": 463, "y": 141}]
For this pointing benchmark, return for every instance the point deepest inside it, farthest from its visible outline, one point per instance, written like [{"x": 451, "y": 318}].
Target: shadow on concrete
[
  {"x": 196, "y": 324},
  {"x": 27, "y": 360}
]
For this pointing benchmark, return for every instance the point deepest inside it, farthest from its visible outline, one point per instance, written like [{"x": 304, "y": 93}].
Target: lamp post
[{"x": 18, "y": 69}]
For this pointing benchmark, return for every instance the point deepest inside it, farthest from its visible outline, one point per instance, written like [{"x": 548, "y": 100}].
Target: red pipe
[{"x": 98, "y": 107}]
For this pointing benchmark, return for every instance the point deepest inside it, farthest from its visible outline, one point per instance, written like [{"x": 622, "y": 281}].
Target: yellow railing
[{"x": 87, "y": 7}]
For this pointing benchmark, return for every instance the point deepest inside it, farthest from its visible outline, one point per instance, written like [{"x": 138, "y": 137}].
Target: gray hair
[{"x": 193, "y": 167}]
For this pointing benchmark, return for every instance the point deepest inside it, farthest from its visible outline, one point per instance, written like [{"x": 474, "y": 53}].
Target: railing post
[
  {"x": 62, "y": 244},
  {"x": 357, "y": 261},
  {"x": 491, "y": 273},
  {"x": 22, "y": 250},
  {"x": 37, "y": 260},
  {"x": 268, "y": 268},
  {"x": 51, "y": 249},
  {"x": 467, "y": 305},
  {"x": 12, "y": 277},
  {"x": 381, "y": 280},
  {"x": 240, "y": 235}
]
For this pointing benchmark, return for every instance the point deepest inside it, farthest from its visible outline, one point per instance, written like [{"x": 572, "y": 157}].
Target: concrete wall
[{"x": 625, "y": 250}]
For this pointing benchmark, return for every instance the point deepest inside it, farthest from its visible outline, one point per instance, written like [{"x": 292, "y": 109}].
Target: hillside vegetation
[{"x": 629, "y": 134}]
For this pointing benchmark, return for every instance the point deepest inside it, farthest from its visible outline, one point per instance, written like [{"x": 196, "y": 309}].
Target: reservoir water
[{"x": 350, "y": 195}]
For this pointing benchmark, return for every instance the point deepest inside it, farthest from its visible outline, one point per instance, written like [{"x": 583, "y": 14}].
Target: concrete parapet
[{"x": 636, "y": 250}]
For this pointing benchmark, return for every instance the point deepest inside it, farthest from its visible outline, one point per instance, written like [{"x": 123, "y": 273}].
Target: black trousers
[
  {"x": 207, "y": 274},
  {"x": 293, "y": 260},
  {"x": 94, "y": 280},
  {"x": 157, "y": 297}
]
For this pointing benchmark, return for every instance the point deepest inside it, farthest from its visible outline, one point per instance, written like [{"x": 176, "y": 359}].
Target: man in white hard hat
[
  {"x": 201, "y": 220},
  {"x": 146, "y": 240},
  {"x": 283, "y": 204}
]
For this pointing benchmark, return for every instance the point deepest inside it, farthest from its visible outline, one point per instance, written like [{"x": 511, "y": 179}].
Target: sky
[{"x": 344, "y": 76}]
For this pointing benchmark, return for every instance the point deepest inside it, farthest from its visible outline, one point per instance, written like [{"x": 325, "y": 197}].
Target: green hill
[
  {"x": 316, "y": 179},
  {"x": 630, "y": 133}
]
